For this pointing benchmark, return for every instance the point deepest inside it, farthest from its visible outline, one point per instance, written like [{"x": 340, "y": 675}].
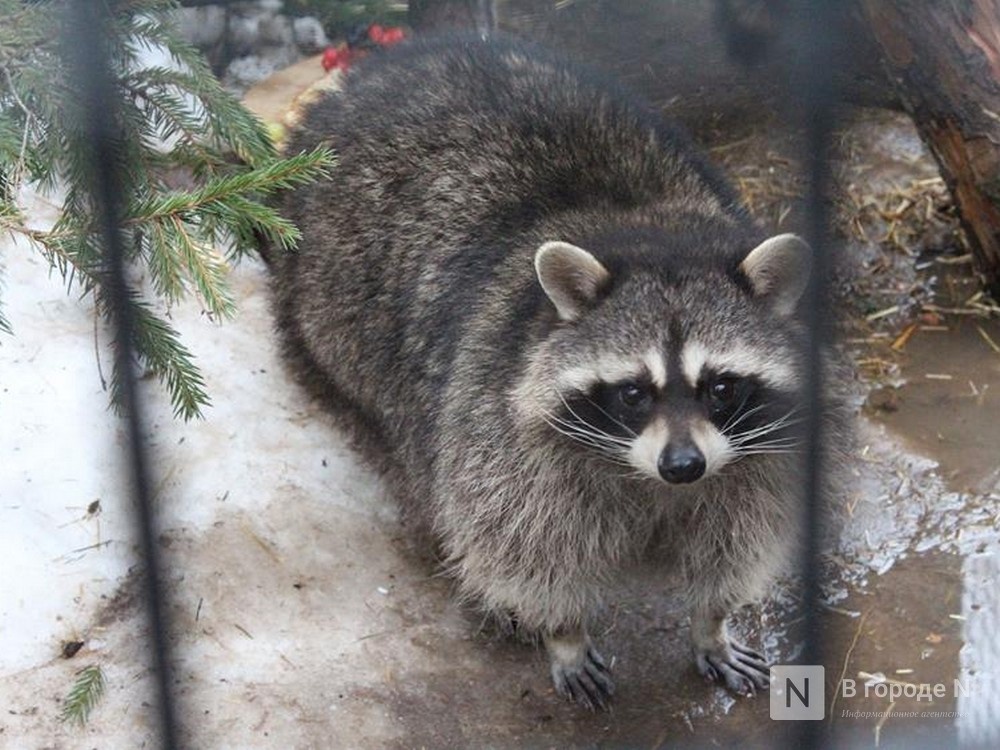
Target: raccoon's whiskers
[
  {"x": 739, "y": 417},
  {"x": 582, "y": 429},
  {"x": 613, "y": 419},
  {"x": 577, "y": 435},
  {"x": 606, "y": 435},
  {"x": 755, "y": 436},
  {"x": 741, "y": 438},
  {"x": 779, "y": 443},
  {"x": 785, "y": 445},
  {"x": 591, "y": 429},
  {"x": 768, "y": 452},
  {"x": 769, "y": 445},
  {"x": 607, "y": 444}
]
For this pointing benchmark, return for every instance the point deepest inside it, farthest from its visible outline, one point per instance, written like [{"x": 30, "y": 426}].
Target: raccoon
[{"x": 577, "y": 353}]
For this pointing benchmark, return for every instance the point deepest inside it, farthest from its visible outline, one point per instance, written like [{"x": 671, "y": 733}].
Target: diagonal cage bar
[{"x": 84, "y": 47}]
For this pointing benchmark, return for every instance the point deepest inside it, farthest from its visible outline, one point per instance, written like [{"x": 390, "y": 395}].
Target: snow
[
  {"x": 234, "y": 494},
  {"x": 54, "y": 415}
]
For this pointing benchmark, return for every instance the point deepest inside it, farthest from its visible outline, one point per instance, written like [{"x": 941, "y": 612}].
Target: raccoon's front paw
[
  {"x": 578, "y": 671},
  {"x": 587, "y": 682},
  {"x": 743, "y": 670}
]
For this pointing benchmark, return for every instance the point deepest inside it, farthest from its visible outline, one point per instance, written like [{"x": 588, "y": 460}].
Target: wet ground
[
  {"x": 952, "y": 375},
  {"x": 304, "y": 618}
]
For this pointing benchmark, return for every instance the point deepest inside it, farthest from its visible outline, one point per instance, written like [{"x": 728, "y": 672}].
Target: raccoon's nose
[{"x": 681, "y": 464}]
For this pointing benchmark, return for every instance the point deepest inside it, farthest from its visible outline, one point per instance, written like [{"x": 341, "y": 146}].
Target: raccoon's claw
[
  {"x": 587, "y": 682},
  {"x": 743, "y": 670}
]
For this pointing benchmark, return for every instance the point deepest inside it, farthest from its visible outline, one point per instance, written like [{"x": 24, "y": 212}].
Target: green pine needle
[
  {"x": 159, "y": 348},
  {"x": 278, "y": 174},
  {"x": 84, "y": 695},
  {"x": 172, "y": 119},
  {"x": 4, "y": 323}
]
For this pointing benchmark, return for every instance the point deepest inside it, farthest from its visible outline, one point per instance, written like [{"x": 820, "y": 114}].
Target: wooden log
[{"x": 944, "y": 61}]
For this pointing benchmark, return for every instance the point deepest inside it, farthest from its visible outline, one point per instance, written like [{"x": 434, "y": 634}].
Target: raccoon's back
[{"x": 456, "y": 130}]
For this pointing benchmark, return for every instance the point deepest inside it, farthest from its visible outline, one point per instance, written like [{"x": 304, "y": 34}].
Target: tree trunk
[{"x": 944, "y": 60}]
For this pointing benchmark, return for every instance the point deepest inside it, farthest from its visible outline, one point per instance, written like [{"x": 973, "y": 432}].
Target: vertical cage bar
[
  {"x": 817, "y": 25},
  {"x": 85, "y": 49}
]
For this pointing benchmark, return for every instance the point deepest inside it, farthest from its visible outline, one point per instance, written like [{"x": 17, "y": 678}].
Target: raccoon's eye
[
  {"x": 633, "y": 395},
  {"x": 724, "y": 391}
]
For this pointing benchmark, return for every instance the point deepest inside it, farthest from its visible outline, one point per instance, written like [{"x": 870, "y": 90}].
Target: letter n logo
[{"x": 797, "y": 692}]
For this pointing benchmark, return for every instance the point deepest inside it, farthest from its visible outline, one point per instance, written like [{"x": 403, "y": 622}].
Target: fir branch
[
  {"x": 29, "y": 121},
  {"x": 84, "y": 695},
  {"x": 166, "y": 267},
  {"x": 65, "y": 250},
  {"x": 207, "y": 269},
  {"x": 156, "y": 343},
  {"x": 170, "y": 118},
  {"x": 9, "y": 216},
  {"x": 165, "y": 100},
  {"x": 260, "y": 220},
  {"x": 4, "y": 323},
  {"x": 268, "y": 178},
  {"x": 158, "y": 347},
  {"x": 228, "y": 120},
  {"x": 73, "y": 250},
  {"x": 177, "y": 231},
  {"x": 25, "y": 25}
]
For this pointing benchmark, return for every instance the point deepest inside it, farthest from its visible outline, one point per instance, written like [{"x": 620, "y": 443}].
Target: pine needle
[
  {"x": 84, "y": 695},
  {"x": 4, "y": 323},
  {"x": 172, "y": 118}
]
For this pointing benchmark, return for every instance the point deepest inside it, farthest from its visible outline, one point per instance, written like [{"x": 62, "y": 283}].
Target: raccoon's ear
[
  {"x": 571, "y": 277},
  {"x": 778, "y": 269}
]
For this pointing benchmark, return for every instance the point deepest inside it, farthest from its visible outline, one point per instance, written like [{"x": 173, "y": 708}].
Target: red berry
[
  {"x": 346, "y": 59},
  {"x": 392, "y": 35},
  {"x": 331, "y": 58},
  {"x": 376, "y": 33}
]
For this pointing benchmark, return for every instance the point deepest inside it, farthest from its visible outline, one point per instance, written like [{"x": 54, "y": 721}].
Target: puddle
[
  {"x": 945, "y": 404},
  {"x": 949, "y": 405},
  {"x": 896, "y": 631}
]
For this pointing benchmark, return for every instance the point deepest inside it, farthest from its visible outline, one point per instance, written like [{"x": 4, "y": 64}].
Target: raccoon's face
[{"x": 673, "y": 374}]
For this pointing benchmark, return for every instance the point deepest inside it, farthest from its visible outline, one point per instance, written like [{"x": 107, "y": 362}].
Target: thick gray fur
[{"x": 413, "y": 301}]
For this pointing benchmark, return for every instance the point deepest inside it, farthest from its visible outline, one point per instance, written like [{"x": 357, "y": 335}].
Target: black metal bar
[
  {"x": 816, "y": 24},
  {"x": 85, "y": 50}
]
